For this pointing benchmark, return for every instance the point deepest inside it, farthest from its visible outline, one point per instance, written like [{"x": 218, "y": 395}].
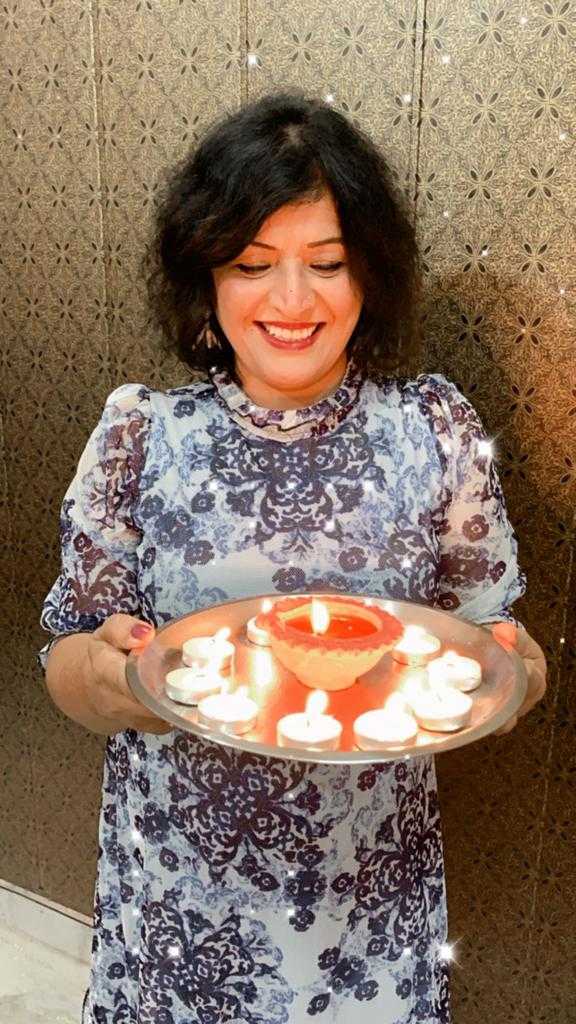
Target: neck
[{"x": 269, "y": 397}]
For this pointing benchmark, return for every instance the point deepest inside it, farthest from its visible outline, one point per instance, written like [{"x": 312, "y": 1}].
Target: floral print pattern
[
  {"x": 232, "y": 887},
  {"x": 210, "y": 967},
  {"x": 399, "y": 878}
]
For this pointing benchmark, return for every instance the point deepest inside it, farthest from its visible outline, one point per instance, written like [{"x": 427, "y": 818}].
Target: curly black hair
[{"x": 283, "y": 148}]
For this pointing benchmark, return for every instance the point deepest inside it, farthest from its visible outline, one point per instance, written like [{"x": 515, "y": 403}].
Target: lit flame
[
  {"x": 415, "y": 682},
  {"x": 396, "y": 704},
  {"x": 221, "y": 635},
  {"x": 319, "y": 616},
  {"x": 414, "y": 640},
  {"x": 440, "y": 684},
  {"x": 414, "y": 634},
  {"x": 263, "y": 668},
  {"x": 451, "y": 657},
  {"x": 266, "y": 606},
  {"x": 316, "y": 704}
]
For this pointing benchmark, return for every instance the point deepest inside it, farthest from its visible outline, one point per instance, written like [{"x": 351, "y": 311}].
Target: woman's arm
[
  {"x": 517, "y": 638},
  {"x": 86, "y": 678},
  {"x": 479, "y": 574},
  {"x": 96, "y": 598}
]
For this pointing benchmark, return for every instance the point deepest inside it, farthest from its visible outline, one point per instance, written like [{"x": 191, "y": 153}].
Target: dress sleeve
[
  {"x": 98, "y": 535},
  {"x": 478, "y": 565}
]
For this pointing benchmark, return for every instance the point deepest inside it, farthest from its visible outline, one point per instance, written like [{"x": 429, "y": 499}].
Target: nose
[{"x": 291, "y": 293}]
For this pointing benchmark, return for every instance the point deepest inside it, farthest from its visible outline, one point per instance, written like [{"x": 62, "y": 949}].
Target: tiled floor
[{"x": 38, "y": 985}]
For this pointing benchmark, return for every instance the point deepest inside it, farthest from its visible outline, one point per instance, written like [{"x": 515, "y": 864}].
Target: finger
[
  {"x": 140, "y": 723},
  {"x": 125, "y": 632},
  {"x": 137, "y": 713},
  {"x": 506, "y": 633},
  {"x": 112, "y": 696},
  {"x": 532, "y": 652},
  {"x": 536, "y": 690},
  {"x": 510, "y": 724},
  {"x": 126, "y": 710},
  {"x": 157, "y": 726}
]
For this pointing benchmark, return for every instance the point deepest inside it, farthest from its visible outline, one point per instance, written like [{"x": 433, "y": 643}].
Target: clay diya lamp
[{"x": 328, "y": 643}]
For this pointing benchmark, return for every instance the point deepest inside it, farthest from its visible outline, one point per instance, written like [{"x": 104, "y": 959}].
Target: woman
[{"x": 233, "y": 887}]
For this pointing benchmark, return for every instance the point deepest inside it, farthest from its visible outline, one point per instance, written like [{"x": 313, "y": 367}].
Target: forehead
[{"x": 302, "y": 222}]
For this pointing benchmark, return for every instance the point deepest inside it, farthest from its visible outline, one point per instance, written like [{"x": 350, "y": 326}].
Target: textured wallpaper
[{"x": 474, "y": 102}]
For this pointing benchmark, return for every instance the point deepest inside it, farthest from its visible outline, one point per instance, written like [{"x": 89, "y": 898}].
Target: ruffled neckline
[{"x": 287, "y": 425}]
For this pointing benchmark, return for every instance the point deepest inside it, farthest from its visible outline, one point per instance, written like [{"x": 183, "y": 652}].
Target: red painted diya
[{"x": 328, "y": 642}]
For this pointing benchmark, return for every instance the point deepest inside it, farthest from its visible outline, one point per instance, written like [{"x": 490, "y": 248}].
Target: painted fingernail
[{"x": 140, "y": 630}]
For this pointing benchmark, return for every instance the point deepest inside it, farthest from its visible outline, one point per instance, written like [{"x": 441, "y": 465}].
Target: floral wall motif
[{"x": 474, "y": 104}]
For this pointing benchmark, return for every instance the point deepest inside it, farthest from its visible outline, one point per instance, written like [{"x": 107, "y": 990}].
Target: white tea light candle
[
  {"x": 391, "y": 726},
  {"x": 414, "y": 680},
  {"x": 206, "y": 653},
  {"x": 310, "y": 729},
  {"x": 442, "y": 709},
  {"x": 186, "y": 686},
  {"x": 455, "y": 670},
  {"x": 256, "y": 632},
  {"x": 416, "y": 647},
  {"x": 235, "y": 713}
]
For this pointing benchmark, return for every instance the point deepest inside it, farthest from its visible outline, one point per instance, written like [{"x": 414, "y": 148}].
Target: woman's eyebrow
[
  {"x": 311, "y": 245},
  {"x": 325, "y": 241}
]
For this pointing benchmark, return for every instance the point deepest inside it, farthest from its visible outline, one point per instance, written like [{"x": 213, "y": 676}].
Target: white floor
[{"x": 38, "y": 985}]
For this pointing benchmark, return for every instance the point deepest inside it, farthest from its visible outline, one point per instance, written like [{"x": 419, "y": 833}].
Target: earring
[{"x": 207, "y": 336}]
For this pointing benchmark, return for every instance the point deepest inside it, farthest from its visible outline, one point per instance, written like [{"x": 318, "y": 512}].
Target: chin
[
  {"x": 303, "y": 366},
  {"x": 295, "y": 375},
  {"x": 298, "y": 378}
]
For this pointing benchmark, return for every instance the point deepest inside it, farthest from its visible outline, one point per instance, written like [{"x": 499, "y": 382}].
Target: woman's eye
[
  {"x": 328, "y": 267},
  {"x": 252, "y": 268}
]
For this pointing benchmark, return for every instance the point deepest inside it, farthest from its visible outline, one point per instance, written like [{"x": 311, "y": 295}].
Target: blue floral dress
[{"x": 238, "y": 888}]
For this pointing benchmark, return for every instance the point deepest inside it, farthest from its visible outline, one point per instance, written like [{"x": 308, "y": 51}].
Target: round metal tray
[{"x": 278, "y": 692}]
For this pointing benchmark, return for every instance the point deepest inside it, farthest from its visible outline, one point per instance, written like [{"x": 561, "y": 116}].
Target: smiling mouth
[{"x": 289, "y": 335}]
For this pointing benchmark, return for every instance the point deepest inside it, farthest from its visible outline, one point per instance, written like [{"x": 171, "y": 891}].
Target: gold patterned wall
[{"x": 474, "y": 102}]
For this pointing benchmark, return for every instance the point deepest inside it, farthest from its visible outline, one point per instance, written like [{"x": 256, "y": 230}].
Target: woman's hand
[
  {"x": 516, "y": 638},
  {"x": 107, "y": 691}
]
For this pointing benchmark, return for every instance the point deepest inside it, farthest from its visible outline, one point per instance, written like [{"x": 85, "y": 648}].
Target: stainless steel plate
[{"x": 502, "y": 691}]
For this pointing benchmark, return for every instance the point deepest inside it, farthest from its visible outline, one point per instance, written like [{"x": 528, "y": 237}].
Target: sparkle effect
[
  {"x": 485, "y": 449},
  {"x": 446, "y": 952}
]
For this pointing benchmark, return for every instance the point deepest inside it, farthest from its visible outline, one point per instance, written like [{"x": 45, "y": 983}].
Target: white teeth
[{"x": 285, "y": 335}]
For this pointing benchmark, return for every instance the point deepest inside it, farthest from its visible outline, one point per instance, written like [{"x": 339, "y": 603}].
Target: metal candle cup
[
  {"x": 206, "y": 653},
  {"x": 452, "y": 669},
  {"x": 442, "y": 709},
  {"x": 310, "y": 729},
  {"x": 256, "y": 631},
  {"x": 186, "y": 686},
  {"x": 416, "y": 648},
  {"x": 390, "y": 726},
  {"x": 235, "y": 713},
  {"x": 256, "y": 634}
]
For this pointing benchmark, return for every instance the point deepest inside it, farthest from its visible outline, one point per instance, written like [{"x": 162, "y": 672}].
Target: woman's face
[{"x": 288, "y": 306}]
